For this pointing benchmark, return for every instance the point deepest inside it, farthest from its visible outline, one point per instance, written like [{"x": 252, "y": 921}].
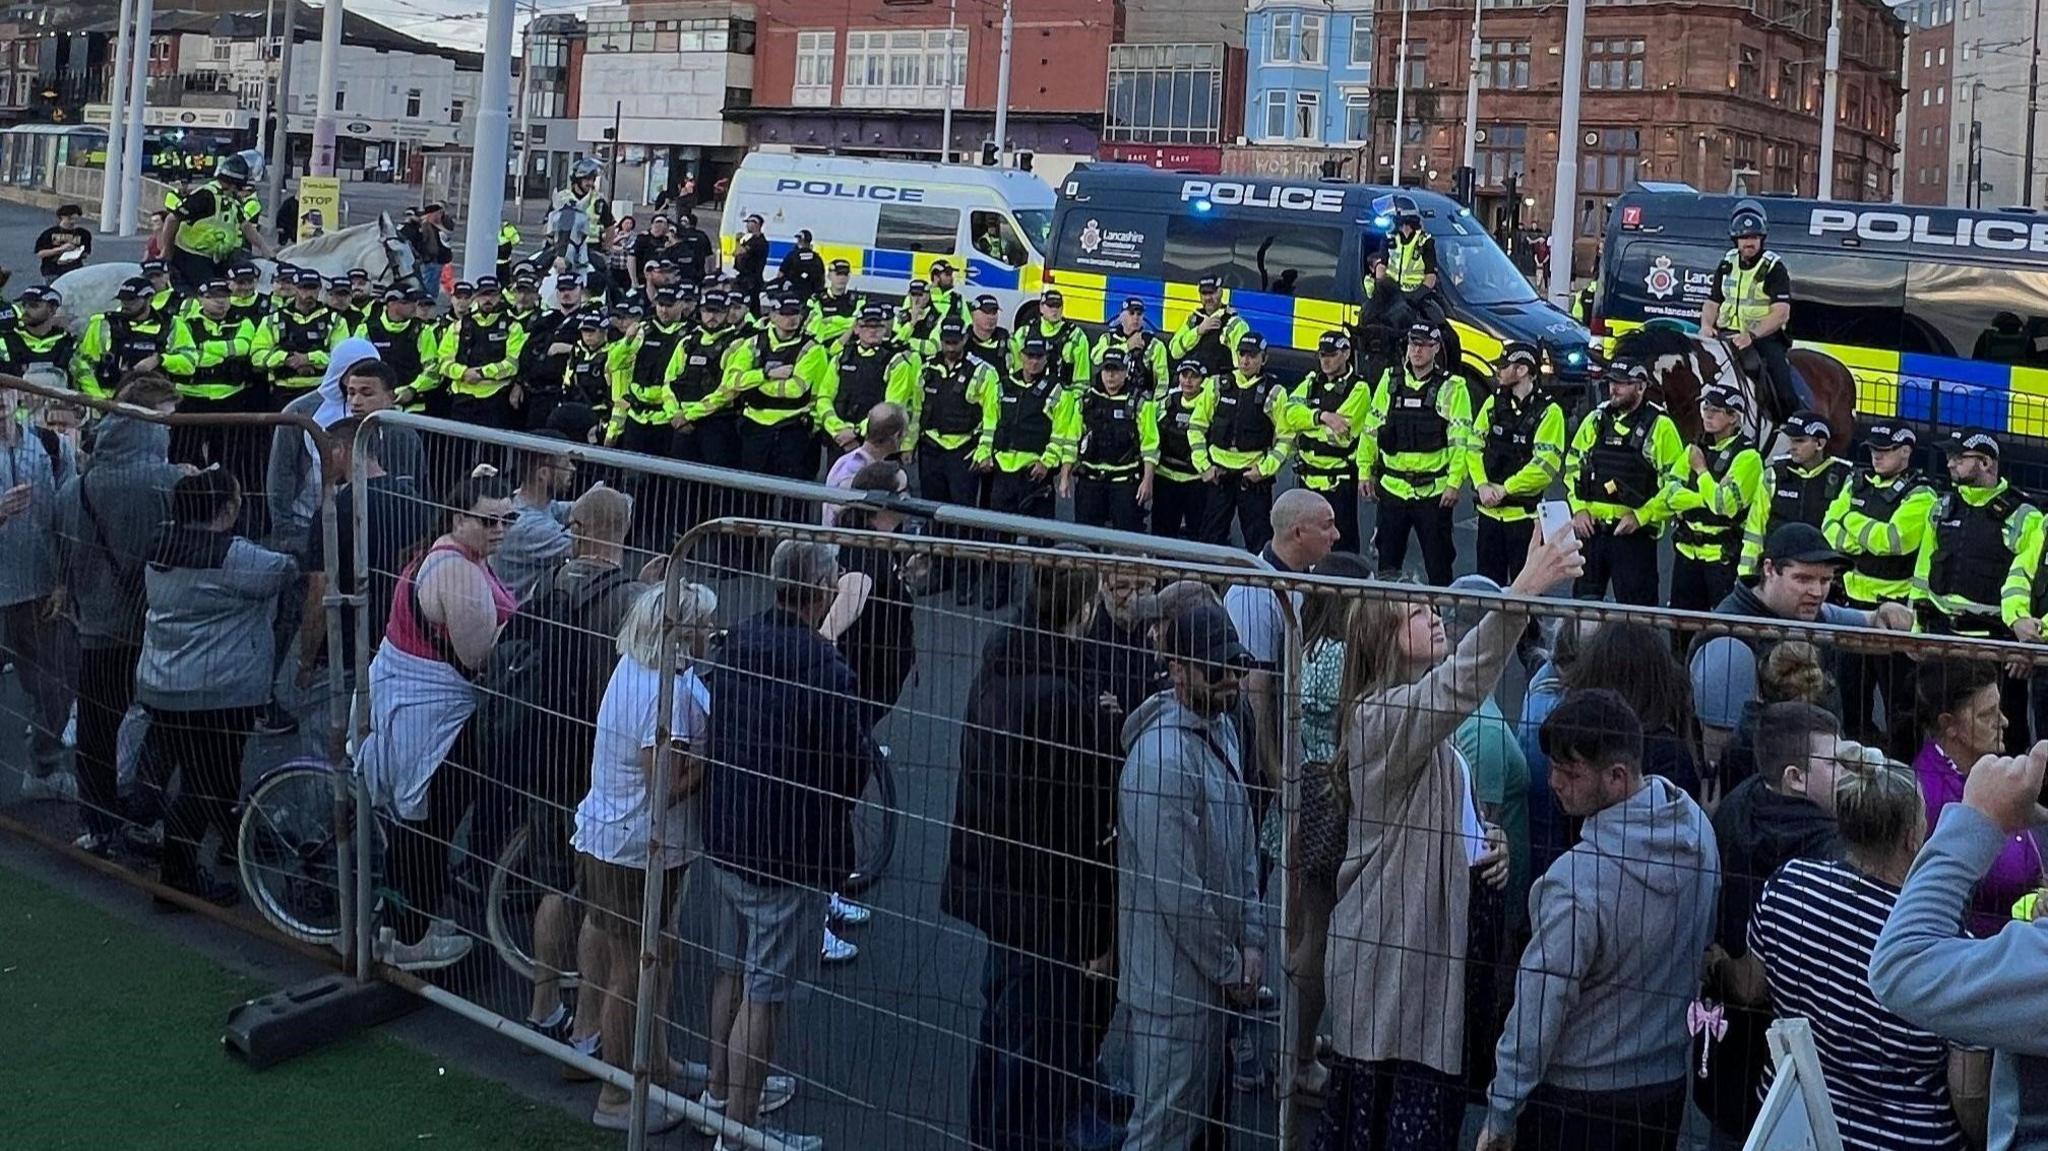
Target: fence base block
[{"x": 295, "y": 1020}]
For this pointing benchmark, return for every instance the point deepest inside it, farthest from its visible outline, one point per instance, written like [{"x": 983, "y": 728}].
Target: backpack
[{"x": 547, "y": 665}]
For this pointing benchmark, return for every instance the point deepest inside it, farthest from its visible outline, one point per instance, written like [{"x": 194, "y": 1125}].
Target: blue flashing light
[
  {"x": 1383, "y": 223},
  {"x": 1202, "y": 205},
  {"x": 1574, "y": 357}
]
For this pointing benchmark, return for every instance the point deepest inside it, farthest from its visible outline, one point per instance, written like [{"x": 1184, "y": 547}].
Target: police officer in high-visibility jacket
[
  {"x": 1212, "y": 331},
  {"x": 834, "y": 310},
  {"x": 1751, "y": 299},
  {"x": 165, "y": 299},
  {"x": 1517, "y": 451},
  {"x": 1724, "y": 474},
  {"x": 1879, "y": 522},
  {"x": 36, "y": 342},
  {"x": 947, "y": 300},
  {"x": 1108, "y": 437},
  {"x": 508, "y": 239},
  {"x": 1242, "y": 431},
  {"x": 1328, "y": 457},
  {"x": 955, "y": 389},
  {"x": 404, "y": 341},
  {"x": 585, "y": 407},
  {"x": 245, "y": 293},
  {"x": 1411, "y": 261},
  {"x": 550, "y": 341},
  {"x": 772, "y": 379},
  {"x": 870, "y": 370},
  {"x": 1017, "y": 447},
  {"x": 208, "y": 228},
  {"x": 1799, "y": 486},
  {"x": 1144, "y": 348},
  {"x": 645, "y": 410},
  {"x": 129, "y": 337},
  {"x": 1180, "y": 498},
  {"x": 987, "y": 339},
  {"x": 209, "y": 360},
  {"x": 292, "y": 342},
  {"x": 1068, "y": 359},
  {"x": 1411, "y": 456},
  {"x": 1624, "y": 454},
  {"x": 1977, "y": 565},
  {"x": 697, "y": 371},
  {"x": 480, "y": 360}
]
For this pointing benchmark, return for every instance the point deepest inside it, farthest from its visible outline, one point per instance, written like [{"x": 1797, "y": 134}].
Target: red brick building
[
  {"x": 871, "y": 76},
  {"x": 1926, "y": 145},
  {"x": 1712, "y": 94}
]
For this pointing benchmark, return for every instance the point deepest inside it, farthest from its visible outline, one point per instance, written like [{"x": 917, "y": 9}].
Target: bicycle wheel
[
  {"x": 881, "y": 851},
  {"x": 287, "y": 852},
  {"x": 518, "y": 885}
]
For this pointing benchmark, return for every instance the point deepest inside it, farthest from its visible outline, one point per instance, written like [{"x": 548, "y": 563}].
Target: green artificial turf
[{"x": 112, "y": 1042}]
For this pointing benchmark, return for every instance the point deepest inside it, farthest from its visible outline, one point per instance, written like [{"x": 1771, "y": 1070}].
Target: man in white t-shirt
[{"x": 887, "y": 425}]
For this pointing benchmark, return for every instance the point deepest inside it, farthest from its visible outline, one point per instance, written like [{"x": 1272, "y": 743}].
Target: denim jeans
[
  {"x": 1040, "y": 1027},
  {"x": 430, "y": 280}
]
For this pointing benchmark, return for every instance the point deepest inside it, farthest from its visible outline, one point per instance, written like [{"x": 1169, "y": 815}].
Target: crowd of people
[{"x": 1576, "y": 911}]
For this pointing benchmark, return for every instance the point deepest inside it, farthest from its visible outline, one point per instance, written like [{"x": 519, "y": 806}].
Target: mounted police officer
[
  {"x": 1799, "y": 486},
  {"x": 210, "y": 227},
  {"x": 1625, "y": 453},
  {"x": 1751, "y": 300},
  {"x": 1517, "y": 450},
  {"x": 578, "y": 214}
]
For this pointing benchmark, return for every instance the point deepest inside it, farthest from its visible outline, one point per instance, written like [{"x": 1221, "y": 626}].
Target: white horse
[{"x": 375, "y": 246}]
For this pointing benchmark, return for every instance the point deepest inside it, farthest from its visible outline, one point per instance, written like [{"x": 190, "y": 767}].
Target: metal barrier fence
[{"x": 1056, "y": 877}]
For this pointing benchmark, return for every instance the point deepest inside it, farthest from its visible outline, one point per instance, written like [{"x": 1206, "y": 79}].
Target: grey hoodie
[
  {"x": 1187, "y": 861},
  {"x": 1621, "y": 923},
  {"x": 28, "y": 562},
  {"x": 293, "y": 478},
  {"x": 1986, "y": 992},
  {"x": 207, "y": 639},
  {"x": 129, "y": 482}
]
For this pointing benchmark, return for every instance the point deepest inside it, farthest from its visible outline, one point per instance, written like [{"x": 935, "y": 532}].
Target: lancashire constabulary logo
[
  {"x": 1091, "y": 236},
  {"x": 1662, "y": 279}
]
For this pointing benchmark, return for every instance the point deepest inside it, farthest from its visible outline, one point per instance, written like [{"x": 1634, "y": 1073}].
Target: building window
[
  {"x": 902, "y": 69},
  {"x": 223, "y": 49},
  {"x": 412, "y": 103},
  {"x": 1358, "y": 117},
  {"x": 1280, "y": 40},
  {"x": 917, "y": 228},
  {"x": 1613, "y": 65},
  {"x": 340, "y": 95},
  {"x": 1165, "y": 94},
  {"x": 1308, "y": 116},
  {"x": 814, "y": 51},
  {"x": 1501, "y": 153},
  {"x": 159, "y": 49},
  {"x": 1504, "y": 64},
  {"x": 1416, "y": 75},
  {"x": 1276, "y": 114},
  {"x": 1311, "y": 39},
  {"x": 1941, "y": 95},
  {"x": 1361, "y": 42},
  {"x": 1941, "y": 57},
  {"x": 455, "y": 111},
  {"x": 1749, "y": 73},
  {"x": 1606, "y": 169}
]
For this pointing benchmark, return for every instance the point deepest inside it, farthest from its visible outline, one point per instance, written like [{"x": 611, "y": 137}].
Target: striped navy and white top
[{"x": 1813, "y": 930}]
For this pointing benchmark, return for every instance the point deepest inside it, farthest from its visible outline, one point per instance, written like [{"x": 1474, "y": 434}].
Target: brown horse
[{"x": 1679, "y": 361}]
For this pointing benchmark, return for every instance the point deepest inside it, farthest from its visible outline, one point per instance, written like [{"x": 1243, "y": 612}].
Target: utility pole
[
  {"x": 1003, "y": 78},
  {"x": 323, "y": 115},
  {"x": 280, "y": 157},
  {"x": 117, "y": 119},
  {"x": 525, "y": 117},
  {"x": 1472, "y": 98},
  {"x": 488, "y": 154},
  {"x": 263, "y": 133},
  {"x": 1563, "y": 211},
  {"x": 138, "y": 93},
  {"x": 2033, "y": 102},
  {"x": 1401, "y": 93},
  {"x": 1829, "y": 107},
  {"x": 946, "y": 118}
]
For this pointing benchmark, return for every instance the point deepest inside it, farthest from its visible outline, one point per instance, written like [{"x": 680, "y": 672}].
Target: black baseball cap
[
  {"x": 988, "y": 304},
  {"x": 1113, "y": 360},
  {"x": 136, "y": 288},
  {"x": 338, "y": 285},
  {"x": 1036, "y": 345},
  {"x": 40, "y": 294},
  {"x": 155, "y": 268},
  {"x": 667, "y": 296},
  {"x": 1422, "y": 334},
  {"x": 1724, "y": 397},
  {"x": 873, "y": 314},
  {"x": 418, "y": 296},
  {"x": 246, "y": 272},
  {"x": 358, "y": 274},
  {"x": 714, "y": 299},
  {"x": 1251, "y": 342},
  {"x": 307, "y": 278},
  {"x": 842, "y": 267},
  {"x": 526, "y": 282},
  {"x": 951, "y": 329},
  {"x": 215, "y": 287},
  {"x": 1629, "y": 370},
  {"x": 1190, "y": 368},
  {"x": 920, "y": 288},
  {"x": 790, "y": 306},
  {"x": 396, "y": 295},
  {"x": 1134, "y": 304},
  {"x": 1523, "y": 353},
  {"x": 628, "y": 310},
  {"x": 1800, "y": 543},
  {"x": 486, "y": 284},
  {"x": 590, "y": 322},
  {"x": 1333, "y": 343},
  {"x": 942, "y": 266},
  {"x": 1807, "y": 424},
  {"x": 568, "y": 280},
  {"x": 1890, "y": 436},
  {"x": 687, "y": 290},
  {"x": 1973, "y": 443},
  {"x": 1052, "y": 296},
  {"x": 1209, "y": 284},
  {"x": 1203, "y": 634},
  {"x": 464, "y": 288}
]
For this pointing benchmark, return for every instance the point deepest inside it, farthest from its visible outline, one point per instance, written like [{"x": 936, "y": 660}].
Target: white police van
[{"x": 890, "y": 219}]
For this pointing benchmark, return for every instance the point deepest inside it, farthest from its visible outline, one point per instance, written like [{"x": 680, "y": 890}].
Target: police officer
[
  {"x": 834, "y": 309},
  {"x": 1108, "y": 438},
  {"x": 1180, "y": 498},
  {"x": 1879, "y": 521},
  {"x": 209, "y": 359},
  {"x": 362, "y": 294},
  {"x": 508, "y": 239},
  {"x": 1624, "y": 453},
  {"x": 803, "y": 270},
  {"x": 1711, "y": 502},
  {"x": 292, "y": 342},
  {"x": 1799, "y": 486},
  {"x": 480, "y": 360},
  {"x": 695, "y": 374},
  {"x": 987, "y": 339},
  {"x": 750, "y": 262},
  {"x": 524, "y": 307},
  {"x": 164, "y": 299},
  {"x": 128, "y": 337},
  {"x": 1582, "y": 300},
  {"x": 1068, "y": 360},
  {"x": 1411, "y": 261},
  {"x": 1144, "y": 348},
  {"x": 1212, "y": 331},
  {"x": 644, "y": 408},
  {"x": 1751, "y": 299},
  {"x": 917, "y": 322},
  {"x": 36, "y": 342},
  {"x": 870, "y": 370},
  {"x": 1517, "y": 451},
  {"x": 772, "y": 380},
  {"x": 947, "y": 300},
  {"x": 1242, "y": 432},
  {"x": 245, "y": 294},
  {"x": 1411, "y": 457},
  {"x": 1016, "y": 434},
  {"x": 551, "y": 338},
  {"x": 956, "y": 388},
  {"x": 1328, "y": 457},
  {"x": 208, "y": 228},
  {"x": 340, "y": 302},
  {"x": 586, "y": 394},
  {"x": 404, "y": 341}
]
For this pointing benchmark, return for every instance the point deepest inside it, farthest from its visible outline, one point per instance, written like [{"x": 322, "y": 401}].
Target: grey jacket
[
  {"x": 1987, "y": 992},
  {"x": 28, "y": 556},
  {"x": 1621, "y": 924},
  {"x": 207, "y": 639},
  {"x": 293, "y": 479},
  {"x": 1187, "y": 861},
  {"x": 129, "y": 482}
]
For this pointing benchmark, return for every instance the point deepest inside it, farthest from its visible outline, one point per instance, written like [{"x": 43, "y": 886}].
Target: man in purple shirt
[{"x": 887, "y": 425}]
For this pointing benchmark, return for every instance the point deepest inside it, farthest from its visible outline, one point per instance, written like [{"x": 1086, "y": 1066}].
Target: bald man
[{"x": 1304, "y": 531}]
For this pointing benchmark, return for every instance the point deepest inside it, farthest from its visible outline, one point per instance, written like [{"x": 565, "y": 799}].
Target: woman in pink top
[
  {"x": 1957, "y": 708},
  {"x": 445, "y": 618}
]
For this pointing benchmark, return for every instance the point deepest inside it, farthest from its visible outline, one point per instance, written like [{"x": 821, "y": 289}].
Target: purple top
[
  {"x": 2017, "y": 869},
  {"x": 841, "y": 476}
]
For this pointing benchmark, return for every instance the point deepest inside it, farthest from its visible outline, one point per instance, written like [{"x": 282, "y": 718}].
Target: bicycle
[{"x": 287, "y": 851}]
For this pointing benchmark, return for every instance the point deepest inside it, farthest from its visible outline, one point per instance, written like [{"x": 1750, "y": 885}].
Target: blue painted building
[{"x": 1309, "y": 72}]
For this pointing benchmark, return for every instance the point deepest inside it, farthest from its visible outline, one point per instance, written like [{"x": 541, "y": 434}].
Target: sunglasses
[{"x": 502, "y": 521}]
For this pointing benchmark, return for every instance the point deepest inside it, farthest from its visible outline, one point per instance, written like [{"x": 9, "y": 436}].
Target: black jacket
[
  {"x": 789, "y": 753},
  {"x": 1034, "y": 859},
  {"x": 1759, "y": 831}
]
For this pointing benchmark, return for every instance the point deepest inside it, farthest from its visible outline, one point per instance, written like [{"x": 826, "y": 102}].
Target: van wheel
[{"x": 1027, "y": 314}]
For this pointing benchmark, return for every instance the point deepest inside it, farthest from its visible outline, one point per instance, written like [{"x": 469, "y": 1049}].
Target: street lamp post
[
  {"x": 1829, "y": 97},
  {"x": 329, "y": 84},
  {"x": 946, "y": 117},
  {"x": 1003, "y": 77},
  {"x": 131, "y": 143},
  {"x": 1472, "y": 97},
  {"x": 117, "y": 119},
  {"x": 2033, "y": 101},
  {"x": 1565, "y": 199},
  {"x": 1400, "y": 93},
  {"x": 280, "y": 156}
]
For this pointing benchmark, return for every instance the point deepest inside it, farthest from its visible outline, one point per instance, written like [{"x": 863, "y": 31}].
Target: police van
[
  {"x": 1941, "y": 314},
  {"x": 890, "y": 219},
  {"x": 1292, "y": 258}
]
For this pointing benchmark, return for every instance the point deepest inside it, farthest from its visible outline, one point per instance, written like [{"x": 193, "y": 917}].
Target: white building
[
  {"x": 665, "y": 73},
  {"x": 1993, "y": 43}
]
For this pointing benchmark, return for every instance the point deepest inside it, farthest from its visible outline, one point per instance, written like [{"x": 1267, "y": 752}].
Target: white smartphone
[{"x": 1553, "y": 516}]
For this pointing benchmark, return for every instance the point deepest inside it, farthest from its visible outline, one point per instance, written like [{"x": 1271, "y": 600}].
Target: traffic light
[
  {"x": 1024, "y": 158},
  {"x": 1513, "y": 188},
  {"x": 1462, "y": 182},
  {"x": 989, "y": 155}
]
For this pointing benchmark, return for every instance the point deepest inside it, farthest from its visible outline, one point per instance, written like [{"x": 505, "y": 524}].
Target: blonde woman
[
  {"x": 615, "y": 826},
  {"x": 1396, "y": 951}
]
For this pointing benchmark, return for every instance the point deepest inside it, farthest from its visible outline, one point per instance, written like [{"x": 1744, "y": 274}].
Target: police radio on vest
[
  {"x": 841, "y": 190},
  {"x": 1917, "y": 228},
  {"x": 1292, "y": 199}
]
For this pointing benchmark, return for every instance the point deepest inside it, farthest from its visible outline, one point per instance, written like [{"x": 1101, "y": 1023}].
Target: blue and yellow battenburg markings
[
  {"x": 980, "y": 274},
  {"x": 2000, "y": 398}
]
